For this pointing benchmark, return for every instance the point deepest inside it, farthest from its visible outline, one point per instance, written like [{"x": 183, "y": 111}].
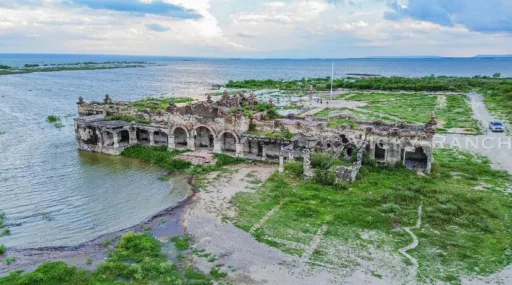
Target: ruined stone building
[{"x": 225, "y": 127}]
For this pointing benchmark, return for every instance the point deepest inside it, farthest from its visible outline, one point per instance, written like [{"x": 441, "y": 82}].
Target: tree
[{"x": 496, "y": 75}]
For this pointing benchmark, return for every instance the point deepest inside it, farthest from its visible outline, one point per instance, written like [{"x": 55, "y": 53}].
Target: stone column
[
  {"x": 151, "y": 138},
  {"x": 263, "y": 152},
  {"x": 100, "y": 139},
  {"x": 217, "y": 146},
  {"x": 308, "y": 172},
  {"x": 430, "y": 159},
  {"x": 133, "y": 137},
  {"x": 116, "y": 140},
  {"x": 239, "y": 148},
  {"x": 191, "y": 142},
  {"x": 290, "y": 155},
  {"x": 281, "y": 162},
  {"x": 171, "y": 144}
]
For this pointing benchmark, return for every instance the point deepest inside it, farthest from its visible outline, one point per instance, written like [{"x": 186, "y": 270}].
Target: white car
[{"x": 496, "y": 126}]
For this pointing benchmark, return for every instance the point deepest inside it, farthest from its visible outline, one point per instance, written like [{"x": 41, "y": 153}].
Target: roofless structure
[{"x": 235, "y": 125}]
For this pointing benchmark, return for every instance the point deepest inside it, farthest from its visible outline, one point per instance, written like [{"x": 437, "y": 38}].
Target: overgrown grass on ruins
[
  {"x": 155, "y": 104},
  {"x": 465, "y": 229},
  {"x": 137, "y": 259},
  {"x": 127, "y": 118}
]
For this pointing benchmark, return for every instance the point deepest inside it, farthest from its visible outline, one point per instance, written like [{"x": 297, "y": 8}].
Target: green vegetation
[
  {"x": 53, "y": 119},
  {"x": 137, "y": 259},
  {"x": 127, "y": 118},
  {"x": 217, "y": 274},
  {"x": 31, "y": 68},
  {"x": 465, "y": 229},
  {"x": 10, "y": 260},
  {"x": 2, "y": 249},
  {"x": 4, "y": 231},
  {"x": 164, "y": 158},
  {"x": 160, "y": 156},
  {"x": 155, "y": 104},
  {"x": 498, "y": 90},
  {"x": 452, "y": 111},
  {"x": 283, "y": 133},
  {"x": 336, "y": 123},
  {"x": 182, "y": 243}
]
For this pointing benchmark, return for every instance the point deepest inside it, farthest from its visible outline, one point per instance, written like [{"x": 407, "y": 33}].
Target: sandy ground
[{"x": 250, "y": 262}]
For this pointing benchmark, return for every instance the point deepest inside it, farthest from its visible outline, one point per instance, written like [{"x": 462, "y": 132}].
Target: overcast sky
[{"x": 258, "y": 28}]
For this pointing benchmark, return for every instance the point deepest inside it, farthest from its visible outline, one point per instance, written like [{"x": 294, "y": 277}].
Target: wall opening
[
  {"x": 180, "y": 138},
  {"x": 142, "y": 137},
  {"x": 228, "y": 141},
  {"x": 380, "y": 153},
  {"x": 124, "y": 138},
  {"x": 160, "y": 138},
  {"x": 416, "y": 160},
  {"x": 203, "y": 138}
]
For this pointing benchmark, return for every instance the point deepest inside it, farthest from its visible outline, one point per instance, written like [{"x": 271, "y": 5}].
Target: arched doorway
[
  {"x": 228, "y": 142},
  {"x": 142, "y": 137},
  {"x": 160, "y": 138},
  {"x": 416, "y": 160},
  {"x": 204, "y": 138},
  {"x": 124, "y": 138},
  {"x": 180, "y": 137}
]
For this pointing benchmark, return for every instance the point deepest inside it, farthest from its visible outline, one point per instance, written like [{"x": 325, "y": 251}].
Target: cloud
[
  {"x": 490, "y": 16},
  {"x": 154, "y": 7},
  {"x": 244, "y": 35},
  {"x": 157, "y": 28}
]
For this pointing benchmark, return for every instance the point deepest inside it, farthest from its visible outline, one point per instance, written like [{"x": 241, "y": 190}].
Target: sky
[{"x": 258, "y": 28}]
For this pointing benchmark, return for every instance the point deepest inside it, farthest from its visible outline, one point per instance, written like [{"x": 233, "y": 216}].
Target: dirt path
[{"x": 415, "y": 242}]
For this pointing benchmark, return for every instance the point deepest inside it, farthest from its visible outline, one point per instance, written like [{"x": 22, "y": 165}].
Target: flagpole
[{"x": 332, "y": 77}]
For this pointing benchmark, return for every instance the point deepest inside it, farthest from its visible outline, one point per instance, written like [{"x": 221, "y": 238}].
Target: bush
[
  {"x": 53, "y": 119},
  {"x": 182, "y": 243},
  {"x": 295, "y": 168},
  {"x": 2, "y": 249},
  {"x": 321, "y": 160},
  {"x": 223, "y": 160}
]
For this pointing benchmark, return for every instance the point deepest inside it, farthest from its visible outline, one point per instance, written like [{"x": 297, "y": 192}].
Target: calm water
[{"x": 62, "y": 197}]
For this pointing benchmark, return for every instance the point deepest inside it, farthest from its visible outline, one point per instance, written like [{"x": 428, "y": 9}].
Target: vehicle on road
[{"x": 496, "y": 126}]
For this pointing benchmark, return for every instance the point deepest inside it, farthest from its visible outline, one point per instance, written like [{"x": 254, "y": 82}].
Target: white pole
[{"x": 332, "y": 77}]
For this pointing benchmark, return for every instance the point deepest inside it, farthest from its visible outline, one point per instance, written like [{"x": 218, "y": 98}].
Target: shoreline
[{"x": 28, "y": 259}]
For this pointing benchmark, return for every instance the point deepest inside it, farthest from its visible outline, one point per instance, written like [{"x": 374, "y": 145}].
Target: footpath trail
[{"x": 415, "y": 242}]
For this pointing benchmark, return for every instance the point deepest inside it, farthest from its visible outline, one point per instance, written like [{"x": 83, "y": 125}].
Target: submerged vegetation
[
  {"x": 465, "y": 229},
  {"x": 55, "y": 120},
  {"x": 137, "y": 259}
]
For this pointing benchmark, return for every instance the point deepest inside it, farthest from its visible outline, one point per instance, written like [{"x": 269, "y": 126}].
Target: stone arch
[
  {"x": 124, "y": 137},
  {"x": 108, "y": 138},
  {"x": 228, "y": 141},
  {"x": 181, "y": 136},
  {"x": 204, "y": 136}
]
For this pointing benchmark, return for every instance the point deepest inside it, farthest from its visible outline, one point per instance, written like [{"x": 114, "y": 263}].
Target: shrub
[
  {"x": 53, "y": 119},
  {"x": 182, "y": 243},
  {"x": 295, "y": 168},
  {"x": 2, "y": 249},
  {"x": 223, "y": 160},
  {"x": 321, "y": 160}
]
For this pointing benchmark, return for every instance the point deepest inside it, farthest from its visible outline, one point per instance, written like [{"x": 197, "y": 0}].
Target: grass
[
  {"x": 55, "y": 120},
  {"x": 137, "y": 259},
  {"x": 2, "y": 249},
  {"x": 336, "y": 123},
  {"x": 416, "y": 108},
  {"x": 181, "y": 243},
  {"x": 465, "y": 229},
  {"x": 127, "y": 118},
  {"x": 160, "y": 156},
  {"x": 9, "y": 260},
  {"x": 155, "y": 104},
  {"x": 4, "y": 231}
]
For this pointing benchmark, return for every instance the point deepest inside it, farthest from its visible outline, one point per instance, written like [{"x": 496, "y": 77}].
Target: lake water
[{"x": 57, "y": 196}]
